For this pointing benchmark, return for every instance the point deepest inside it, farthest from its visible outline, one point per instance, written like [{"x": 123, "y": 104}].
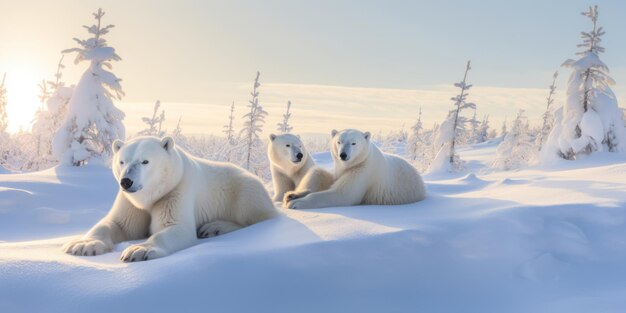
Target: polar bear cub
[
  {"x": 365, "y": 175},
  {"x": 173, "y": 198},
  {"x": 294, "y": 173}
]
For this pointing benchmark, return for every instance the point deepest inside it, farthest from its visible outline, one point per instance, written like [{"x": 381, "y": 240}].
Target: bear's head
[
  {"x": 146, "y": 168},
  {"x": 349, "y": 147},
  {"x": 287, "y": 151}
]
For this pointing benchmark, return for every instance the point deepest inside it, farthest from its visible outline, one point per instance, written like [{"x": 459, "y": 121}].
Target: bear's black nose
[
  {"x": 126, "y": 183},
  {"x": 343, "y": 156},
  {"x": 299, "y": 156}
]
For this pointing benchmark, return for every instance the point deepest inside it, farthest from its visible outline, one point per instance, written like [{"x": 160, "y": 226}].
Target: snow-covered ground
[{"x": 536, "y": 240}]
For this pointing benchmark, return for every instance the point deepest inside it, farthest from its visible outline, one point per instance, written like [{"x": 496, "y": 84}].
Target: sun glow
[{"x": 22, "y": 97}]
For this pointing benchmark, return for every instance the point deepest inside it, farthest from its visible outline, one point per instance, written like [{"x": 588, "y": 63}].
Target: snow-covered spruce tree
[
  {"x": 419, "y": 149},
  {"x": 93, "y": 121},
  {"x": 229, "y": 129},
  {"x": 44, "y": 92},
  {"x": 55, "y": 97},
  {"x": 503, "y": 130},
  {"x": 154, "y": 123},
  {"x": 160, "y": 129},
  {"x": 415, "y": 138},
  {"x": 284, "y": 127},
  {"x": 434, "y": 133},
  {"x": 41, "y": 122},
  {"x": 231, "y": 147},
  {"x": 483, "y": 130},
  {"x": 590, "y": 120},
  {"x": 473, "y": 131},
  {"x": 516, "y": 149},
  {"x": 548, "y": 116},
  {"x": 58, "y": 102},
  {"x": 180, "y": 138},
  {"x": 254, "y": 151},
  {"x": 427, "y": 150},
  {"x": 177, "y": 133},
  {"x": 447, "y": 160}
]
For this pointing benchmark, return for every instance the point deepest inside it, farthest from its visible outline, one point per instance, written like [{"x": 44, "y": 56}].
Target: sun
[{"x": 22, "y": 97}]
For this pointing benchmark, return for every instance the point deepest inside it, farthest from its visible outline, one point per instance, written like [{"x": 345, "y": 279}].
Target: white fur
[
  {"x": 177, "y": 198},
  {"x": 367, "y": 176},
  {"x": 292, "y": 177}
]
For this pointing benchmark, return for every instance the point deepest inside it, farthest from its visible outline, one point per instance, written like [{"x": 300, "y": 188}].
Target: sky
[{"x": 362, "y": 64}]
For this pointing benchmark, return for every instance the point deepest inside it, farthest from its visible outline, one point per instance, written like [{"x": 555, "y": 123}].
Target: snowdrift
[{"x": 536, "y": 240}]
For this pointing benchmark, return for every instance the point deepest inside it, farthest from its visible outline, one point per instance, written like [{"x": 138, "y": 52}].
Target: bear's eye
[
  {"x": 121, "y": 162},
  {"x": 288, "y": 146},
  {"x": 145, "y": 162},
  {"x": 338, "y": 142},
  {"x": 354, "y": 143}
]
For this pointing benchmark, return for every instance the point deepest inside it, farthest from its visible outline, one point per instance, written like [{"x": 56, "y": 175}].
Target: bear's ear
[
  {"x": 117, "y": 145},
  {"x": 333, "y": 133},
  {"x": 167, "y": 143},
  {"x": 272, "y": 137},
  {"x": 367, "y": 135},
  {"x": 298, "y": 137}
]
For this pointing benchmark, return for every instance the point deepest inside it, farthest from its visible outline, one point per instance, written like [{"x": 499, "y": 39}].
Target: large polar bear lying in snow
[
  {"x": 294, "y": 173},
  {"x": 174, "y": 198},
  {"x": 364, "y": 175}
]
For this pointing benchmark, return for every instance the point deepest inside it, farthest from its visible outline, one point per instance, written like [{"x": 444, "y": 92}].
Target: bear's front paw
[
  {"x": 298, "y": 204},
  {"x": 142, "y": 252},
  {"x": 86, "y": 247},
  {"x": 292, "y": 195}
]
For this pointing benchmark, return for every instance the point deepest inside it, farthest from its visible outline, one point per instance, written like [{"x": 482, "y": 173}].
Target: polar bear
[
  {"x": 294, "y": 173},
  {"x": 173, "y": 198},
  {"x": 365, "y": 175}
]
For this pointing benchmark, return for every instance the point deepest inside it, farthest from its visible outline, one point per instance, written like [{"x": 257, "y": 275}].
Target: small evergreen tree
[
  {"x": 448, "y": 136},
  {"x": 229, "y": 129},
  {"x": 483, "y": 130},
  {"x": 41, "y": 120},
  {"x": 253, "y": 127},
  {"x": 516, "y": 149},
  {"x": 154, "y": 123},
  {"x": 548, "y": 117},
  {"x": 48, "y": 119},
  {"x": 284, "y": 127},
  {"x": 473, "y": 132},
  {"x": 503, "y": 130},
  {"x": 184, "y": 141},
  {"x": 44, "y": 93},
  {"x": 231, "y": 147},
  {"x": 58, "y": 102},
  {"x": 415, "y": 138},
  {"x": 178, "y": 131},
  {"x": 420, "y": 150}
]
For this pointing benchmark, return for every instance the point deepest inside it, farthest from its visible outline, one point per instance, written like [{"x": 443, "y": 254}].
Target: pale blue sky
[{"x": 183, "y": 51}]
